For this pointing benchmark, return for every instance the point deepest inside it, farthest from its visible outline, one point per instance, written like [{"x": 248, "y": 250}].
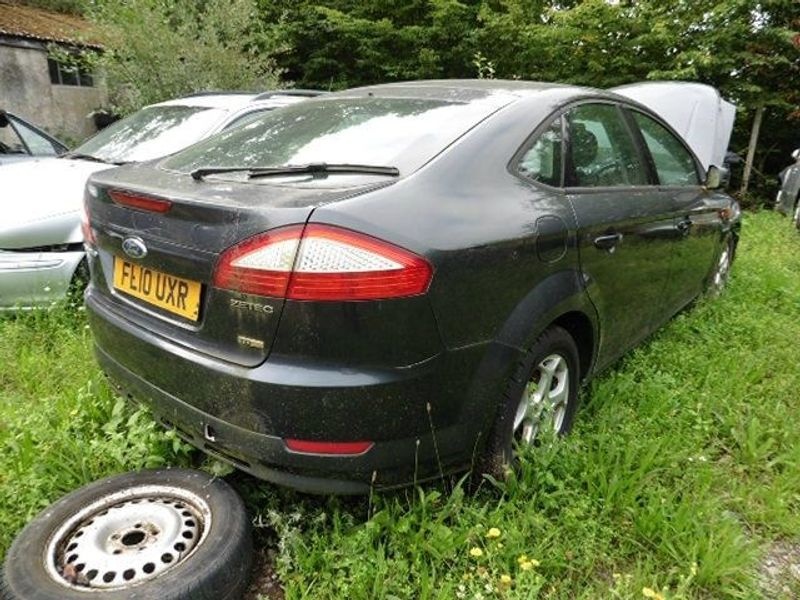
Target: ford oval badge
[{"x": 134, "y": 247}]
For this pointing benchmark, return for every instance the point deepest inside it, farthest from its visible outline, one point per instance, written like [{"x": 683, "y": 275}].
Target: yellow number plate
[{"x": 173, "y": 294}]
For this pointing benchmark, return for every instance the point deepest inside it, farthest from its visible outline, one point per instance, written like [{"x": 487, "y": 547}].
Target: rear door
[
  {"x": 625, "y": 225},
  {"x": 697, "y": 218}
]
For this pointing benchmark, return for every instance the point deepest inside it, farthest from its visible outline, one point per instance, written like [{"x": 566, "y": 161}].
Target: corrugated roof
[{"x": 20, "y": 20}]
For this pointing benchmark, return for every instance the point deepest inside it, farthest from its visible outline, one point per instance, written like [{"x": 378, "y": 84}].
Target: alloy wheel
[
  {"x": 723, "y": 268},
  {"x": 544, "y": 400}
]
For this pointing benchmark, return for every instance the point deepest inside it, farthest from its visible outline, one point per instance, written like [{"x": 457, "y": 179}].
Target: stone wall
[{"x": 25, "y": 90}]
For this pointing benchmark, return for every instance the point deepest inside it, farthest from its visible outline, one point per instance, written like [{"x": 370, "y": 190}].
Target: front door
[{"x": 696, "y": 210}]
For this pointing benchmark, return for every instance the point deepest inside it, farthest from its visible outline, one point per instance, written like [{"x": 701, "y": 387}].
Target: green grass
[{"x": 683, "y": 468}]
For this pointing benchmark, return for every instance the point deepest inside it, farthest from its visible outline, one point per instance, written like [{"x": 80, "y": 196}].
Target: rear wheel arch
[
  {"x": 580, "y": 327},
  {"x": 559, "y": 300}
]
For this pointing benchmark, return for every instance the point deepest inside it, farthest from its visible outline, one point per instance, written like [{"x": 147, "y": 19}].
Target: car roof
[
  {"x": 233, "y": 101},
  {"x": 458, "y": 90}
]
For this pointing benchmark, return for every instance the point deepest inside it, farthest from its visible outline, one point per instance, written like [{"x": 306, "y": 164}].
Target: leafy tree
[
  {"x": 343, "y": 43},
  {"x": 748, "y": 50},
  {"x": 160, "y": 49}
]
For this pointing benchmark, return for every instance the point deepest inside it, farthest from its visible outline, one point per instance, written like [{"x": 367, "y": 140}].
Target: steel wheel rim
[
  {"x": 544, "y": 400},
  {"x": 127, "y": 538},
  {"x": 723, "y": 268}
]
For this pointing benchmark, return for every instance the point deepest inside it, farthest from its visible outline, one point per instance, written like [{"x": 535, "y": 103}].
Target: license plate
[{"x": 173, "y": 294}]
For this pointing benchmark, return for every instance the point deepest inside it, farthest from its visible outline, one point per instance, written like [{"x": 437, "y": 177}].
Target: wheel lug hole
[{"x": 133, "y": 538}]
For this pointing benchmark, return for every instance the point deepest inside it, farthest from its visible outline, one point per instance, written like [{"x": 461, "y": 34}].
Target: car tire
[
  {"x": 172, "y": 534},
  {"x": 553, "y": 350}
]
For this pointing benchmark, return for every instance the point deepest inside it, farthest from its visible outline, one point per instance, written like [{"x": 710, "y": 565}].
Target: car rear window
[
  {"x": 399, "y": 132},
  {"x": 152, "y": 132}
]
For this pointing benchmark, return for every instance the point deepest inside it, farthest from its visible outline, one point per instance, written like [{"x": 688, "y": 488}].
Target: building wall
[{"x": 26, "y": 90}]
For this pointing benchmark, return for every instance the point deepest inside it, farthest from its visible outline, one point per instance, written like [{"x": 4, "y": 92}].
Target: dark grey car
[
  {"x": 788, "y": 199},
  {"x": 387, "y": 283}
]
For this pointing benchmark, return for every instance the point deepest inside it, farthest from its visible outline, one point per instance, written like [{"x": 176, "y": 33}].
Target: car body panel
[
  {"x": 187, "y": 241},
  {"x": 638, "y": 267},
  {"x": 42, "y": 191},
  {"x": 421, "y": 377},
  {"x": 34, "y": 279}
]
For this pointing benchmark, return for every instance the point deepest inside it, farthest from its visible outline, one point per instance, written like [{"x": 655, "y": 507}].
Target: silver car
[
  {"x": 41, "y": 239},
  {"x": 788, "y": 200}
]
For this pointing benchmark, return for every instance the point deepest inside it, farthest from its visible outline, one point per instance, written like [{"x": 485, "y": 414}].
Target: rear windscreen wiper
[
  {"x": 80, "y": 156},
  {"x": 255, "y": 172}
]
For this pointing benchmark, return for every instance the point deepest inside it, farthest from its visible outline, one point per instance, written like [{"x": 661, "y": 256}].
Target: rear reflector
[
  {"x": 332, "y": 448},
  {"x": 140, "y": 202},
  {"x": 322, "y": 262}
]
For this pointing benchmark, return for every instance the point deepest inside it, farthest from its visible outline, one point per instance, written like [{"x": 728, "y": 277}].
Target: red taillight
[
  {"x": 333, "y": 448},
  {"x": 261, "y": 264},
  {"x": 140, "y": 202},
  {"x": 322, "y": 262}
]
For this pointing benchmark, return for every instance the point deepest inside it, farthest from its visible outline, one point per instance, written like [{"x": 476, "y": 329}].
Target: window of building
[{"x": 63, "y": 74}]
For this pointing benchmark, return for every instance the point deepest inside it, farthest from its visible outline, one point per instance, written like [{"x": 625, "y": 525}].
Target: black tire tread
[{"x": 494, "y": 460}]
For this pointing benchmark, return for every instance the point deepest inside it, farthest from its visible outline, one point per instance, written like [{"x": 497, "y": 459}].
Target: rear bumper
[
  {"x": 249, "y": 412},
  {"x": 35, "y": 279}
]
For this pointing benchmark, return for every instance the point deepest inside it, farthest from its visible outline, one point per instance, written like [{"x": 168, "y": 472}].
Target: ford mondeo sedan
[{"x": 387, "y": 283}]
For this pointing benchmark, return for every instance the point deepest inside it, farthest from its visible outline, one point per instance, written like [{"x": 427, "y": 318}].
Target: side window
[
  {"x": 38, "y": 144},
  {"x": 601, "y": 148},
  {"x": 674, "y": 164},
  {"x": 10, "y": 142},
  {"x": 246, "y": 118},
  {"x": 542, "y": 161}
]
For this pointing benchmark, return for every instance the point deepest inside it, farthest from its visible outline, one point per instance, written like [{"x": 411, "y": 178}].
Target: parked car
[
  {"x": 389, "y": 283},
  {"x": 20, "y": 140},
  {"x": 41, "y": 243},
  {"x": 788, "y": 200}
]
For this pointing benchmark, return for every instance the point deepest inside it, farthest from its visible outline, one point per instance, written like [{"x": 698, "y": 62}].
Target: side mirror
[
  {"x": 796, "y": 154},
  {"x": 714, "y": 178}
]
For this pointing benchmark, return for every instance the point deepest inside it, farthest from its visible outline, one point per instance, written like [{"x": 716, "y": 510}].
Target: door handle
[{"x": 608, "y": 242}]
